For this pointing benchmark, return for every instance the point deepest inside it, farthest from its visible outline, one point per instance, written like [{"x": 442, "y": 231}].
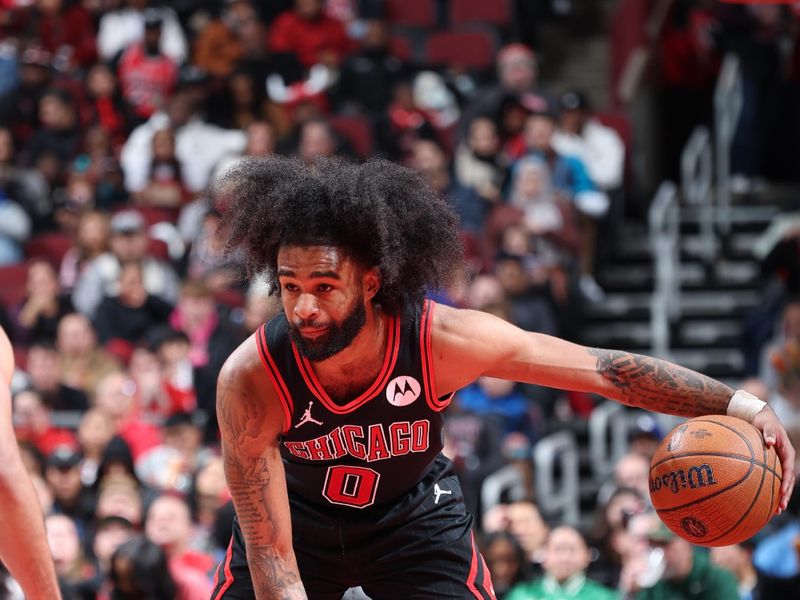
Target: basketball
[{"x": 713, "y": 481}]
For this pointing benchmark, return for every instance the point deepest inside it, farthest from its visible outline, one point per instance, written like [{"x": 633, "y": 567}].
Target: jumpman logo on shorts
[
  {"x": 438, "y": 492},
  {"x": 307, "y": 418}
]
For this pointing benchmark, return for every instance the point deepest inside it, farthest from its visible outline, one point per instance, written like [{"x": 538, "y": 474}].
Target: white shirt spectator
[
  {"x": 601, "y": 150},
  {"x": 120, "y": 28},
  {"x": 199, "y": 146}
]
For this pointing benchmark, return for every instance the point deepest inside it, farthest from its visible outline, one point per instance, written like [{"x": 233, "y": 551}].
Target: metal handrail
[
  {"x": 664, "y": 222},
  {"x": 608, "y": 438},
  {"x": 559, "y": 501},
  {"x": 727, "y": 109},
  {"x": 507, "y": 482},
  {"x": 696, "y": 181}
]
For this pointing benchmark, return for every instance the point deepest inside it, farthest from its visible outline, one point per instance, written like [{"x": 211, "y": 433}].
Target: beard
[{"x": 338, "y": 337}]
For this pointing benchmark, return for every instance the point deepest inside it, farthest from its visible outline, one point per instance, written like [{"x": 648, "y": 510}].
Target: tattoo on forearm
[
  {"x": 274, "y": 572},
  {"x": 273, "y": 576},
  {"x": 661, "y": 386}
]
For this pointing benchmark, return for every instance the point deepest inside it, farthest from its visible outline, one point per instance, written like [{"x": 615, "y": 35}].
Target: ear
[{"x": 371, "y": 282}]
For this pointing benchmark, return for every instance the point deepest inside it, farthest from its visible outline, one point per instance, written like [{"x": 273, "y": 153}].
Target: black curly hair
[{"x": 382, "y": 214}]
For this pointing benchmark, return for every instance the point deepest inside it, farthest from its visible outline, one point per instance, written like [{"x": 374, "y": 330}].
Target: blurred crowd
[{"x": 122, "y": 303}]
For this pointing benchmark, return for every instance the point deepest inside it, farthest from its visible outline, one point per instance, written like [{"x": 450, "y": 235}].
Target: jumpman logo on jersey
[
  {"x": 307, "y": 418},
  {"x": 438, "y": 492}
]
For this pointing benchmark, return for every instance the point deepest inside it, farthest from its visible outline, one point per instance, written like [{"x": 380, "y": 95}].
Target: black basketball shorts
[{"x": 420, "y": 547}]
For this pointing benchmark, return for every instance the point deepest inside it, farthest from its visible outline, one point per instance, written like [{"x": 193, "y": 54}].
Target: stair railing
[
  {"x": 727, "y": 109},
  {"x": 664, "y": 224},
  {"x": 506, "y": 482},
  {"x": 696, "y": 181},
  {"x": 559, "y": 499},
  {"x": 608, "y": 438}
]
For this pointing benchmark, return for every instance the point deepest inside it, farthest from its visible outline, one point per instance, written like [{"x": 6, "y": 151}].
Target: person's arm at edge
[
  {"x": 23, "y": 543},
  {"x": 251, "y": 419},
  {"x": 468, "y": 344}
]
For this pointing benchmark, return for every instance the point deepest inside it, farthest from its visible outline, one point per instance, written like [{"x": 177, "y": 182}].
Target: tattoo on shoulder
[{"x": 659, "y": 385}]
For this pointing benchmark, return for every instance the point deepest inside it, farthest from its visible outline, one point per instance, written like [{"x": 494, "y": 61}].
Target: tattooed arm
[
  {"x": 250, "y": 419},
  {"x": 469, "y": 344}
]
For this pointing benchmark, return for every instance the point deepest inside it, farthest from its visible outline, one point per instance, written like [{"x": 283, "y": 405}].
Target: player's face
[{"x": 324, "y": 294}]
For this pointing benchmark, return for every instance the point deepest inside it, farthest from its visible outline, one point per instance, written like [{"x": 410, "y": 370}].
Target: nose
[{"x": 306, "y": 308}]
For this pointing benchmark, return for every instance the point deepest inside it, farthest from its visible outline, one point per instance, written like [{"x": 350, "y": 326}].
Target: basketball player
[
  {"x": 331, "y": 413},
  {"x": 23, "y": 545}
]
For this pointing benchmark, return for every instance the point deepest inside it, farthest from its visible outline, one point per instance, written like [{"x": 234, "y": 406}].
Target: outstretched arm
[
  {"x": 23, "y": 545},
  {"x": 468, "y": 344},
  {"x": 250, "y": 419}
]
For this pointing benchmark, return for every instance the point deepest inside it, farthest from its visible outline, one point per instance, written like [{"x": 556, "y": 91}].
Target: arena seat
[
  {"x": 470, "y": 49},
  {"x": 51, "y": 246},
  {"x": 410, "y": 13},
  {"x": 400, "y": 47},
  {"x": 491, "y": 12},
  {"x": 12, "y": 283},
  {"x": 358, "y": 132}
]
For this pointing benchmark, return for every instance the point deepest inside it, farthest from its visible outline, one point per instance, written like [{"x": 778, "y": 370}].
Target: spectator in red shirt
[
  {"x": 147, "y": 75},
  {"x": 310, "y": 34}
]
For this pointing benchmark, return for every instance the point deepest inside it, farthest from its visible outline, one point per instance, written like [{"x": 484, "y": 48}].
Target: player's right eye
[{"x": 289, "y": 287}]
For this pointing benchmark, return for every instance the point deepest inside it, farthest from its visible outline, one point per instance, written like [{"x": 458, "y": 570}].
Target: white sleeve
[{"x": 604, "y": 155}]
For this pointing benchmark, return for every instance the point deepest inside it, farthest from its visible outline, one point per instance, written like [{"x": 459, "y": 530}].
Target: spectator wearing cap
[
  {"x": 83, "y": 362},
  {"x": 199, "y": 146},
  {"x": 131, "y": 312},
  {"x": 128, "y": 242},
  {"x": 33, "y": 423},
  {"x": 125, "y": 26},
  {"x": 599, "y": 147},
  {"x": 63, "y": 477},
  {"x": 310, "y": 34},
  {"x": 146, "y": 75},
  {"x": 565, "y": 559}
]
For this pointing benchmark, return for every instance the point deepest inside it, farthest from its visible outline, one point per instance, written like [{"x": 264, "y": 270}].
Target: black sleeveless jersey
[{"x": 370, "y": 449}]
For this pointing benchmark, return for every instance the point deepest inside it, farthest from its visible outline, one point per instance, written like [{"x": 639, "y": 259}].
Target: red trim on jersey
[
  {"x": 473, "y": 568},
  {"x": 426, "y": 353},
  {"x": 275, "y": 376},
  {"x": 389, "y": 360},
  {"x": 228, "y": 575},
  {"x": 487, "y": 584}
]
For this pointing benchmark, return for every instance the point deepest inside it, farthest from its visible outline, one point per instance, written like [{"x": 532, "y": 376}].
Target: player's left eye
[{"x": 324, "y": 287}]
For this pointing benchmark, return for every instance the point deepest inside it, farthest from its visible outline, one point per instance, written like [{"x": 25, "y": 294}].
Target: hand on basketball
[{"x": 775, "y": 435}]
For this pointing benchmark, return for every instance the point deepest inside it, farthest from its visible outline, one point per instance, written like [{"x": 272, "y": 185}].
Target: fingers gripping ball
[{"x": 714, "y": 482}]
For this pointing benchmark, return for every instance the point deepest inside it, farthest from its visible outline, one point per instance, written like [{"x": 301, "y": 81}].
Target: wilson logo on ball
[{"x": 694, "y": 477}]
